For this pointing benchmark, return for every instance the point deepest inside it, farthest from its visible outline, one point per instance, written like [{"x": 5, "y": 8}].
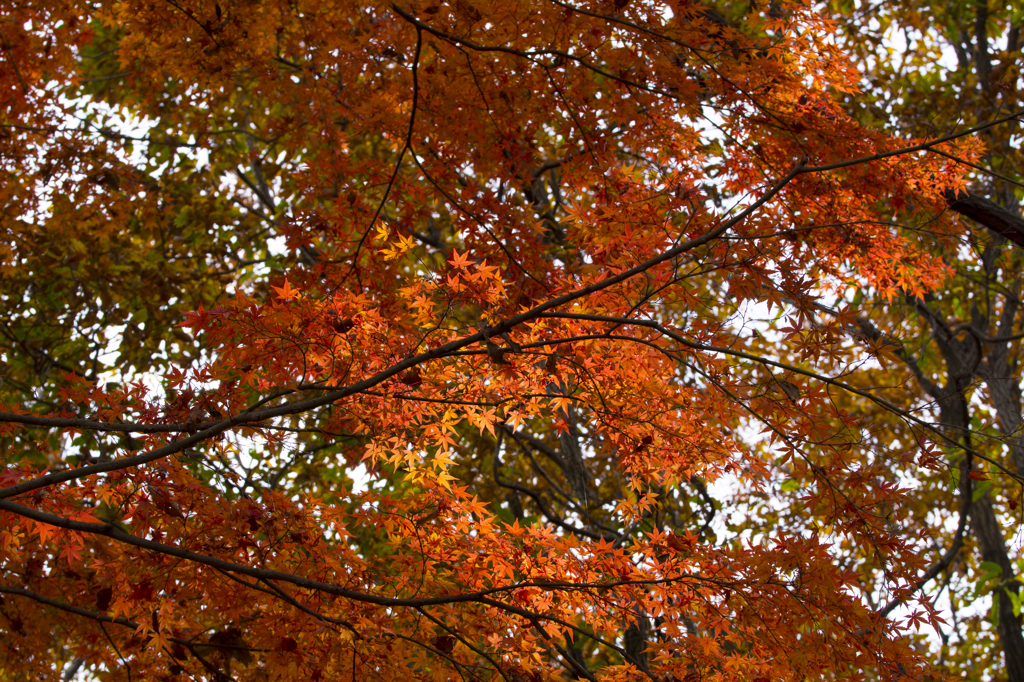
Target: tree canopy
[{"x": 524, "y": 340}]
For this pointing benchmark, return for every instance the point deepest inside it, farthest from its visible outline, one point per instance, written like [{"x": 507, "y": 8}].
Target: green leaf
[
  {"x": 991, "y": 568},
  {"x": 1015, "y": 600},
  {"x": 991, "y": 572},
  {"x": 954, "y": 479},
  {"x": 980, "y": 489},
  {"x": 790, "y": 485}
]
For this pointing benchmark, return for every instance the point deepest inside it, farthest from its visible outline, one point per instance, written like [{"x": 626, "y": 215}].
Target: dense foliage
[{"x": 521, "y": 340}]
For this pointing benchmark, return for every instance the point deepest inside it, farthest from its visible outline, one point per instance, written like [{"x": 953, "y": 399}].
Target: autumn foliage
[{"x": 424, "y": 341}]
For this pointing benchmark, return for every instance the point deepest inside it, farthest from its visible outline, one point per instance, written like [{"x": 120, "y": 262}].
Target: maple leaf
[
  {"x": 459, "y": 261},
  {"x": 286, "y": 292},
  {"x": 341, "y": 211}
]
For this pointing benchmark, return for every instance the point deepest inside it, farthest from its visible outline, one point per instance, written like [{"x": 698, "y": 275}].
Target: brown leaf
[
  {"x": 444, "y": 643},
  {"x": 231, "y": 643},
  {"x": 791, "y": 390},
  {"x": 103, "y": 597},
  {"x": 496, "y": 353},
  {"x": 411, "y": 378},
  {"x": 142, "y": 591},
  {"x": 679, "y": 543},
  {"x": 551, "y": 364},
  {"x": 164, "y": 502},
  {"x": 342, "y": 324}
]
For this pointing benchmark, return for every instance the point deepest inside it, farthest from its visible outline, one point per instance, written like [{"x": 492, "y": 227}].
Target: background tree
[
  {"x": 960, "y": 345},
  {"x": 355, "y": 341}
]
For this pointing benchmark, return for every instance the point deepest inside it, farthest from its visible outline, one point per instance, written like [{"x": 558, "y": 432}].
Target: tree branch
[{"x": 987, "y": 213}]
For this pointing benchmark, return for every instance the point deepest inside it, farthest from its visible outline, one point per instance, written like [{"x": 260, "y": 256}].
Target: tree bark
[{"x": 963, "y": 359}]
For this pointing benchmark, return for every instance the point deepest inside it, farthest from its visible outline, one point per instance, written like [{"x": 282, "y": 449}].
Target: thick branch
[{"x": 987, "y": 213}]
